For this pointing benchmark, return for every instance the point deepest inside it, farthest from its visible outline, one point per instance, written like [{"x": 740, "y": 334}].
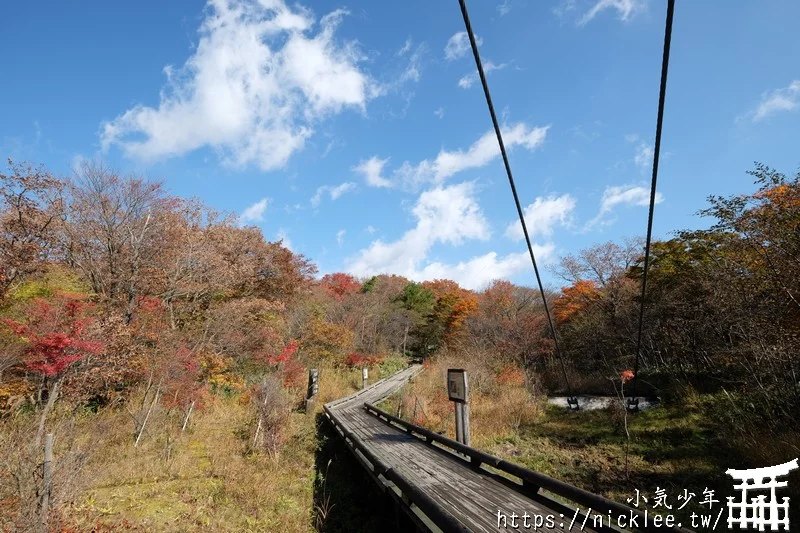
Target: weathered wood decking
[
  {"x": 446, "y": 486},
  {"x": 468, "y": 498}
]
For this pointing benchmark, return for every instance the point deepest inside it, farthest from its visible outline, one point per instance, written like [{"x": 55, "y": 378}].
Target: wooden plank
[{"x": 472, "y": 496}]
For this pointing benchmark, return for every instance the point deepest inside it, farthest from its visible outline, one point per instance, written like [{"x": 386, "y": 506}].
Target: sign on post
[
  {"x": 364, "y": 377},
  {"x": 457, "y": 385},
  {"x": 458, "y": 392}
]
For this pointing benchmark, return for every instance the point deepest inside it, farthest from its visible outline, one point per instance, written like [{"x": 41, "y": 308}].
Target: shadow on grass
[{"x": 346, "y": 499}]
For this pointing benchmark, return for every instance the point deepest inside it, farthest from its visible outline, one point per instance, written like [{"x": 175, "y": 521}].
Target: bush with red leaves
[{"x": 360, "y": 360}]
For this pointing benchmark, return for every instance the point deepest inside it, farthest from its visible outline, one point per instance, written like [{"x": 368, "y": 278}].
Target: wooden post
[
  {"x": 458, "y": 392},
  {"x": 313, "y": 388},
  {"x": 465, "y": 421},
  {"x": 364, "y": 377},
  {"x": 460, "y": 422},
  {"x": 47, "y": 481}
]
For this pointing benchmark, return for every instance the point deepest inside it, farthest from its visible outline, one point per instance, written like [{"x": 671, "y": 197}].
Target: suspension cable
[
  {"x": 656, "y": 153},
  {"x": 513, "y": 187}
]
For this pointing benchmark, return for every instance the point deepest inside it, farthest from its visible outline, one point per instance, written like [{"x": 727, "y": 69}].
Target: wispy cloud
[
  {"x": 458, "y": 45},
  {"x": 778, "y": 101},
  {"x": 254, "y": 212},
  {"x": 614, "y": 196},
  {"x": 504, "y": 8},
  {"x": 283, "y": 236},
  {"x": 468, "y": 80},
  {"x": 334, "y": 191},
  {"x": 644, "y": 156},
  {"x": 406, "y": 48},
  {"x": 439, "y": 112},
  {"x": 340, "y": 237},
  {"x": 626, "y": 9},
  {"x": 448, "y": 163},
  {"x": 262, "y": 75}
]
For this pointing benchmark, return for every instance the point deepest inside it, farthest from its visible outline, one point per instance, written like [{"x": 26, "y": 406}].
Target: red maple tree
[{"x": 55, "y": 334}]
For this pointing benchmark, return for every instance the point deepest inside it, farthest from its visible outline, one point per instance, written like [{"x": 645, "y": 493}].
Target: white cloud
[
  {"x": 262, "y": 75},
  {"x": 542, "y": 216},
  {"x": 340, "y": 236},
  {"x": 478, "y": 272},
  {"x": 372, "y": 169},
  {"x": 283, "y": 236},
  {"x": 773, "y": 102},
  {"x": 613, "y": 196},
  {"x": 564, "y": 7},
  {"x": 254, "y": 213},
  {"x": 439, "y": 112},
  {"x": 444, "y": 215},
  {"x": 627, "y": 195},
  {"x": 406, "y": 48},
  {"x": 458, "y": 45},
  {"x": 626, "y": 9},
  {"x": 468, "y": 80},
  {"x": 447, "y": 163},
  {"x": 644, "y": 156},
  {"x": 370, "y": 229},
  {"x": 504, "y": 8},
  {"x": 334, "y": 191}
]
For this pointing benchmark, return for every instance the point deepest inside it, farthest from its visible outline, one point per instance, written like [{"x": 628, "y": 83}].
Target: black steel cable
[
  {"x": 513, "y": 187},
  {"x": 656, "y": 153}
]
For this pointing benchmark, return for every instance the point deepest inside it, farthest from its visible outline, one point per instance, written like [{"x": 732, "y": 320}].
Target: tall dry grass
[{"x": 502, "y": 397}]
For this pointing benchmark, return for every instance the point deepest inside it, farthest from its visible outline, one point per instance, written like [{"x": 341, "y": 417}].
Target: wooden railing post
[
  {"x": 313, "y": 388},
  {"x": 364, "y": 377},
  {"x": 47, "y": 481}
]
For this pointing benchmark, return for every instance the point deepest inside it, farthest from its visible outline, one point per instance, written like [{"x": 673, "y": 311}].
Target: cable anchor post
[{"x": 572, "y": 403}]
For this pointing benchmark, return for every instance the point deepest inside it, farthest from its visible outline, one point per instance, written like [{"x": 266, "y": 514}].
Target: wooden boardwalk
[{"x": 448, "y": 487}]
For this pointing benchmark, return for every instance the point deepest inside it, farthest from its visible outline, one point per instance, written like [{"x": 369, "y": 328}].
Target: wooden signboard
[{"x": 457, "y": 385}]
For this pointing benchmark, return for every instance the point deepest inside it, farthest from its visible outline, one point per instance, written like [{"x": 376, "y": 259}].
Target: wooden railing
[
  {"x": 409, "y": 494},
  {"x": 529, "y": 481}
]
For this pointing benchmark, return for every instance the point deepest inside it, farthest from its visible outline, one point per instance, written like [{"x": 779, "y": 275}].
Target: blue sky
[{"x": 358, "y": 132}]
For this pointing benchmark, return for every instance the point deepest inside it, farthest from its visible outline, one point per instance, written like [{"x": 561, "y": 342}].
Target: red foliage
[
  {"x": 286, "y": 354},
  {"x": 360, "y": 360},
  {"x": 55, "y": 334},
  {"x": 339, "y": 284},
  {"x": 183, "y": 380},
  {"x": 291, "y": 371},
  {"x": 293, "y": 374},
  {"x": 626, "y": 375}
]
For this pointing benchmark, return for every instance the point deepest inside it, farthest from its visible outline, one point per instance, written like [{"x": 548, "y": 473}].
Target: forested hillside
[{"x": 158, "y": 339}]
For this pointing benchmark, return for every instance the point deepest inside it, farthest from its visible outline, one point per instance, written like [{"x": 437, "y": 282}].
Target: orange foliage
[
  {"x": 511, "y": 375},
  {"x": 453, "y": 305},
  {"x": 574, "y": 299}
]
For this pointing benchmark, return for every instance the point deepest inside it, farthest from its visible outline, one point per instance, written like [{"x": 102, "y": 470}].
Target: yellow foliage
[{"x": 13, "y": 393}]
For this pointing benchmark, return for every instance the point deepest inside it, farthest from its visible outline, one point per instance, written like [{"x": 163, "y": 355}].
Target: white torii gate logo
[{"x": 757, "y": 511}]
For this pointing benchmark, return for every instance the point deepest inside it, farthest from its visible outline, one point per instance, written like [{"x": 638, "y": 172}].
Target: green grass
[{"x": 670, "y": 448}]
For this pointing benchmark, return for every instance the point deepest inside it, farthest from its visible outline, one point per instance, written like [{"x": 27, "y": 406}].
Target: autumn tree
[
  {"x": 55, "y": 336},
  {"x": 30, "y": 210},
  {"x": 510, "y": 323},
  {"x": 111, "y": 227},
  {"x": 339, "y": 284}
]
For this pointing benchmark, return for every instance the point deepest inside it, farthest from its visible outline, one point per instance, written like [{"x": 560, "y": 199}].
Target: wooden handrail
[
  {"x": 444, "y": 520},
  {"x": 529, "y": 477}
]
